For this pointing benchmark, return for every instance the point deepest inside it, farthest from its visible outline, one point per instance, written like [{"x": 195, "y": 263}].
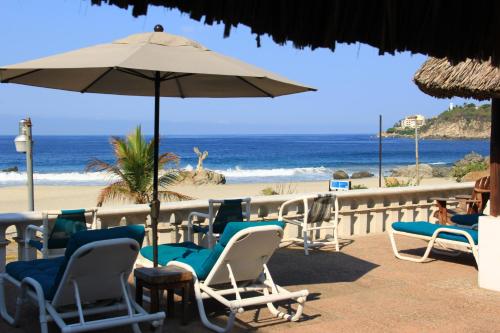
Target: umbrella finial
[{"x": 158, "y": 28}]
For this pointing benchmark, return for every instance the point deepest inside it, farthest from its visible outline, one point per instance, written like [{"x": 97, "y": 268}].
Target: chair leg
[
  {"x": 400, "y": 256},
  {"x": 336, "y": 238},
  {"x": 203, "y": 315},
  {"x": 306, "y": 243},
  {"x": 3, "y": 307},
  {"x": 282, "y": 315}
]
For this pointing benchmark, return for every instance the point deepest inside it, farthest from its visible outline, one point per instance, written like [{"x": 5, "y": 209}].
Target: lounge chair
[
  {"x": 435, "y": 234},
  {"x": 90, "y": 279},
  {"x": 220, "y": 212},
  {"x": 313, "y": 220},
  {"x": 236, "y": 265},
  {"x": 56, "y": 233}
]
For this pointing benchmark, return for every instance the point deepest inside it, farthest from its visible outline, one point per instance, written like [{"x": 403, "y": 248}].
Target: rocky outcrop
[
  {"x": 201, "y": 177},
  {"x": 424, "y": 170},
  {"x": 340, "y": 174},
  {"x": 470, "y": 129},
  {"x": 361, "y": 174},
  {"x": 11, "y": 169}
]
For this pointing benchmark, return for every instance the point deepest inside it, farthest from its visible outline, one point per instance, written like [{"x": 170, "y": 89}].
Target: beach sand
[{"x": 14, "y": 199}]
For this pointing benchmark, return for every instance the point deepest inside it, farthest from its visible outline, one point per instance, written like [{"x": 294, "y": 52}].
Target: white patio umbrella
[{"x": 151, "y": 64}]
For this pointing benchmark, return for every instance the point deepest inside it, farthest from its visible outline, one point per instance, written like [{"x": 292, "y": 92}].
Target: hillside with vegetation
[{"x": 468, "y": 121}]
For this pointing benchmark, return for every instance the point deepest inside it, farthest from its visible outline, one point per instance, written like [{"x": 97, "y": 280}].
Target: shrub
[
  {"x": 395, "y": 182},
  {"x": 279, "y": 189},
  {"x": 359, "y": 187}
]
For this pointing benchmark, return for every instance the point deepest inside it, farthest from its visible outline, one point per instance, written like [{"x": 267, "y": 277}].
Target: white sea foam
[
  {"x": 63, "y": 178},
  {"x": 278, "y": 172}
]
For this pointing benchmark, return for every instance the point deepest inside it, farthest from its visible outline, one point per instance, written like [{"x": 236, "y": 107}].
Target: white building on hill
[{"x": 413, "y": 121}]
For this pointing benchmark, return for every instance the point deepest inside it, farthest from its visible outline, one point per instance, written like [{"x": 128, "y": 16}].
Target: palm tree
[{"x": 134, "y": 169}]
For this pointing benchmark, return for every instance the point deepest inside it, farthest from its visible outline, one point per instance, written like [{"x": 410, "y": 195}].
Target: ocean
[{"x": 61, "y": 160}]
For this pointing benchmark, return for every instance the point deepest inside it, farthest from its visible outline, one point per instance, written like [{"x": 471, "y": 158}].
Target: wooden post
[
  {"x": 380, "y": 151},
  {"x": 495, "y": 158},
  {"x": 417, "y": 171}
]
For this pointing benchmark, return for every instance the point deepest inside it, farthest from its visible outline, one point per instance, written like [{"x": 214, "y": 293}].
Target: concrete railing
[{"x": 361, "y": 212}]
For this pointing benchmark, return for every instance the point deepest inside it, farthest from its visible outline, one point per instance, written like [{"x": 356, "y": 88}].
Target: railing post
[{"x": 3, "y": 247}]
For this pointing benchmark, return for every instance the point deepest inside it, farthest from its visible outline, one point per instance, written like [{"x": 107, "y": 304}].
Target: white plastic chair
[
  {"x": 241, "y": 269},
  {"x": 313, "y": 220},
  {"x": 94, "y": 282},
  {"x": 214, "y": 206},
  {"x": 48, "y": 221}
]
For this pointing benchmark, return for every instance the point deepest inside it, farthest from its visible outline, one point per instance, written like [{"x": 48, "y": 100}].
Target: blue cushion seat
[
  {"x": 427, "y": 229},
  {"x": 199, "y": 258},
  {"x": 42, "y": 270},
  {"x": 466, "y": 219},
  {"x": 49, "y": 272}
]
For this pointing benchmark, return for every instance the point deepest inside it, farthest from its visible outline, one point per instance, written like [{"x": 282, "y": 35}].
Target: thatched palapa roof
[
  {"x": 469, "y": 79},
  {"x": 457, "y": 29}
]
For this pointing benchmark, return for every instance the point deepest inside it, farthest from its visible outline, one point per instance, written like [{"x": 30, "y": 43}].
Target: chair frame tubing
[
  {"x": 30, "y": 290},
  {"x": 264, "y": 285},
  {"x": 31, "y": 230},
  {"x": 308, "y": 227},
  {"x": 468, "y": 247},
  {"x": 211, "y": 237}
]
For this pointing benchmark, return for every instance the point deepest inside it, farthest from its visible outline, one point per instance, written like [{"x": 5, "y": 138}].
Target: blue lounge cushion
[
  {"x": 42, "y": 270},
  {"x": 49, "y": 272},
  {"x": 466, "y": 219},
  {"x": 36, "y": 244},
  {"x": 199, "y": 258},
  {"x": 233, "y": 227},
  {"x": 428, "y": 229},
  {"x": 170, "y": 252},
  {"x": 200, "y": 229}
]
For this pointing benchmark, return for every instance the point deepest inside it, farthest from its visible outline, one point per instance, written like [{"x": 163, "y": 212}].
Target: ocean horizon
[{"x": 251, "y": 158}]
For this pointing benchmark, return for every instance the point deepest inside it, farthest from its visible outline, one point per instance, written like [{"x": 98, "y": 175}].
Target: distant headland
[{"x": 468, "y": 121}]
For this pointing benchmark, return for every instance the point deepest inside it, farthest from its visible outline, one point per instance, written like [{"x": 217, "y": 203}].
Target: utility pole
[
  {"x": 380, "y": 151},
  {"x": 417, "y": 173}
]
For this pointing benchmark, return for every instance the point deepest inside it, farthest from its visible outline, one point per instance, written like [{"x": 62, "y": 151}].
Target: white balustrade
[{"x": 361, "y": 212}]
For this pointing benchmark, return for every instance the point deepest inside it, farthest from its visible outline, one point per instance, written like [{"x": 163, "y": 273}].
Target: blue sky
[{"x": 354, "y": 83}]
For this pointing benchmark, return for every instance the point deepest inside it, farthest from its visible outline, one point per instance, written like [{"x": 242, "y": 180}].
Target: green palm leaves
[{"x": 134, "y": 169}]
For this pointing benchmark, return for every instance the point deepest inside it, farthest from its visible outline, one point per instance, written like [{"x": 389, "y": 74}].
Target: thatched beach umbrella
[
  {"x": 151, "y": 64},
  {"x": 469, "y": 79},
  {"x": 439, "y": 28}
]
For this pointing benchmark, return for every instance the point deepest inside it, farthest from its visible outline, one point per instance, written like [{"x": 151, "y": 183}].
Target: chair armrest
[
  {"x": 289, "y": 202},
  {"x": 31, "y": 229},
  {"x": 197, "y": 214},
  {"x": 442, "y": 199},
  {"x": 190, "y": 223}
]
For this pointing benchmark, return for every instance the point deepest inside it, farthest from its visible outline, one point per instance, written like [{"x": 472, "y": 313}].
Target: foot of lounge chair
[
  {"x": 403, "y": 257},
  {"x": 469, "y": 245}
]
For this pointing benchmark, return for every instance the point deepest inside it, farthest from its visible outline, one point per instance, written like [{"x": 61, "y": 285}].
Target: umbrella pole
[
  {"x": 495, "y": 158},
  {"x": 155, "y": 203}
]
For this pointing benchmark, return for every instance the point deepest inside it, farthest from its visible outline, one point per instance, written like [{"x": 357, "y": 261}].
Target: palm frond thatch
[
  {"x": 439, "y": 28},
  {"x": 468, "y": 79}
]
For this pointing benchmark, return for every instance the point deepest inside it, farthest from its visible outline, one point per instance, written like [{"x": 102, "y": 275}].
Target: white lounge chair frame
[
  {"x": 468, "y": 246},
  {"x": 96, "y": 272},
  {"x": 308, "y": 227},
  {"x": 30, "y": 232},
  {"x": 212, "y": 212},
  {"x": 243, "y": 266}
]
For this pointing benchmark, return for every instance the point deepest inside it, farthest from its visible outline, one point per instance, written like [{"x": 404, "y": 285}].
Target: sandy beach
[{"x": 13, "y": 199}]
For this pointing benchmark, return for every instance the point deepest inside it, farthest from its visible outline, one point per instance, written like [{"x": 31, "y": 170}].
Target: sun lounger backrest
[
  {"x": 246, "y": 252},
  {"x": 93, "y": 256},
  {"x": 97, "y": 268}
]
